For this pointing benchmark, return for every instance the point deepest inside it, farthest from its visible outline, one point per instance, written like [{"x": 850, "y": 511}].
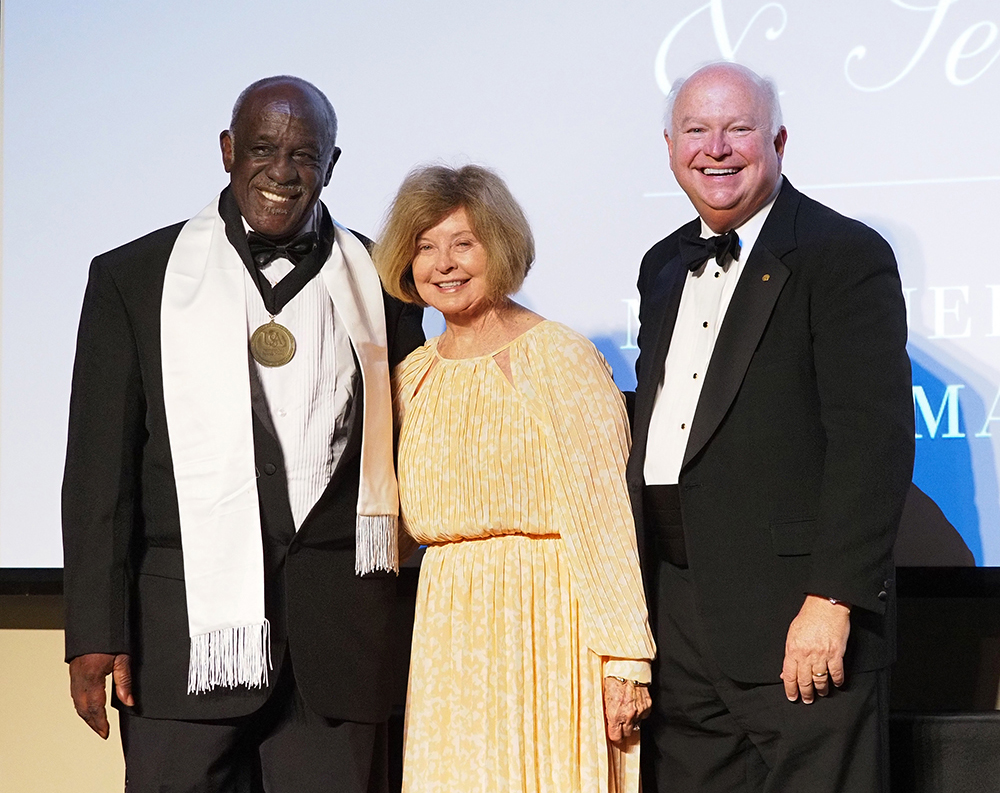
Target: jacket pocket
[{"x": 793, "y": 537}]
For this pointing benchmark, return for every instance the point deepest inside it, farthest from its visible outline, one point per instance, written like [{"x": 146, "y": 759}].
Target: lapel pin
[{"x": 765, "y": 277}]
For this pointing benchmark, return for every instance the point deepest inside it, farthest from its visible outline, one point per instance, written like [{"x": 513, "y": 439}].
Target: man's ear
[
  {"x": 226, "y": 143},
  {"x": 333, "y": 161},
  {"x": 779, "y": 142},
  {"x": 670, "y": 146}
]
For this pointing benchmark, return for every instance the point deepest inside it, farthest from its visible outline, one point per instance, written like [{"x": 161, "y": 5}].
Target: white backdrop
[{"x": 112, "y": 112}]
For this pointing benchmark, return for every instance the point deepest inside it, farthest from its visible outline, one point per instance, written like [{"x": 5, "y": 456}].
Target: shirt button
[
  {"x": 704, "y": 324},
  {"x": 684, "y": 426},
  {"x": 282, "y": 412},
  {"x": 695, "y": 375},
  {"x": 717, "y": 275},
  {"x": 270, "y": 468}
]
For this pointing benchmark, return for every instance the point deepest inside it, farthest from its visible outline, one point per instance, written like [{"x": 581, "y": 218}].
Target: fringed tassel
[
  {"x": 376, "y": 547},
  {"x": 230, "y": 657}
]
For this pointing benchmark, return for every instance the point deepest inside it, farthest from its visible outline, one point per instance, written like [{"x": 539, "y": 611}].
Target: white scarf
[{"x": 206, "y": 395}]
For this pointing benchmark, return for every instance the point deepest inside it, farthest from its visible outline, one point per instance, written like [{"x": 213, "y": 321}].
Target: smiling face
[
  {"x": 279, "y": 157},
  {"x": 449, "y": 268},
  {"x": 722, "y": 150}
]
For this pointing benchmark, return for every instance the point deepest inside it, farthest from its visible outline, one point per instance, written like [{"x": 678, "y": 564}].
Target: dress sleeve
[{"x": 573, "y": 393}]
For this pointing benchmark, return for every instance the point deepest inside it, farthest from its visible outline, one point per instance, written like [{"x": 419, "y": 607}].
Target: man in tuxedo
[
  {"x": 772, "y": 452},
  {"x": 229, "y": 504}
]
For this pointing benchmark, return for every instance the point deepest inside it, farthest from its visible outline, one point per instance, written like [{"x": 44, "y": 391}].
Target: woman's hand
[{"x": 625, "y": 705}]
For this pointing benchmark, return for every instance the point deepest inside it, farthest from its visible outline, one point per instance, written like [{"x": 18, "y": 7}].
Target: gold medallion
[{"x": 272, "y": 344}]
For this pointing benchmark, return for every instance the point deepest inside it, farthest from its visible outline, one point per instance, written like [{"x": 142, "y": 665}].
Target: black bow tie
[
  {"x": 695, "y": 251},
  {"x": 264, "y": 251}
]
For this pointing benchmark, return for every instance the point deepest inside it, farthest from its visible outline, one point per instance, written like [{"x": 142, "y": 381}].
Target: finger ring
[{"x": 820, "y": 675}]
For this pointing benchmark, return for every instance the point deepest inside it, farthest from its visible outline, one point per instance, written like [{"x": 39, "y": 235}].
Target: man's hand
[
  {"x": 814, "y": 649},
  {"x": 87, "y": 683},
  {"x": 625, "y": 705}
]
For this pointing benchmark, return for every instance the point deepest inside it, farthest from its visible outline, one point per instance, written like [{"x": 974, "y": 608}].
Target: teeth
[
  {"x": 718, "y": 171},
  {"x": 274, "y": 196},
  {"x": 449, "y": 284}
]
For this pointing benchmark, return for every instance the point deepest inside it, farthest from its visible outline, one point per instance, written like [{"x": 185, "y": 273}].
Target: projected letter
[
  {"x": 995, "y": 289},
  {"x": 949, "y": 402},
  {"x": 859, "y": 52},
  {"x": 990, "y": 418},
  {"x": 727, "y": 49},
  {"x": 942, "y": 310},
  {"x": 957, "y": 53}
]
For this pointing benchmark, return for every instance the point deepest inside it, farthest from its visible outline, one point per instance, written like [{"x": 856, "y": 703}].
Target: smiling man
[
  {"x": 229, "y": 503},
  {"x": 772, "y": 451}
]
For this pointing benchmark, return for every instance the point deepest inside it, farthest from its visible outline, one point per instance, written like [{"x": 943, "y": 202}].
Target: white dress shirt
[
  {"x": 704, "y": 300},
  {"x": 308, "y": 398}
]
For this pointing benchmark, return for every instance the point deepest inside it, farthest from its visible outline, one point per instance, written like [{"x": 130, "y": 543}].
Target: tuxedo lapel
[
  {"x": 665, "y": 296},
  {"x": 746, "y": 318},
  {"x": 258, "y": 401}
]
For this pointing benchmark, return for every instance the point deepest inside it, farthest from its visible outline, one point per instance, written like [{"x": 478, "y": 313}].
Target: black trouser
[
  {"x": 711, "y": 734},
  {"x": 282, "y": 748}
]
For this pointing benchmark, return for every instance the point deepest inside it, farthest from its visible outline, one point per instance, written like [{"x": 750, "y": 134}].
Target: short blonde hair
[{"x": 431, "y": 193}]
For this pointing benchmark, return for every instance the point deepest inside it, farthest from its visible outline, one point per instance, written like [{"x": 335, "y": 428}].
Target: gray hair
[
  {"x": 305, "y": 85},
  {"x": 765, "y": 85}
]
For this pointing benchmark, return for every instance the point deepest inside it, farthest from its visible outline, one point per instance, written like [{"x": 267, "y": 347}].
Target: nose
[
  {"x": 281, "y": 169},
  {"x": 443, "y": 262},
  {"x": 717, "y": 145}
]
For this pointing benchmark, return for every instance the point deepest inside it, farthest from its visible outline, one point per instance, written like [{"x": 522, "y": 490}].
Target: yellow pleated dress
[{"x": 530, "y": 586}]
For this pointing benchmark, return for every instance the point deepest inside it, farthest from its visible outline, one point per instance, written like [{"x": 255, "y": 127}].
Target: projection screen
[{"x": 112, "y": 111}]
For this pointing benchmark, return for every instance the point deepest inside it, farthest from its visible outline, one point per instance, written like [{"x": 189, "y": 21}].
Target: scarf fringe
[
  {"x": 230, "y": 657},
  {"x": 376, "y": 548}
]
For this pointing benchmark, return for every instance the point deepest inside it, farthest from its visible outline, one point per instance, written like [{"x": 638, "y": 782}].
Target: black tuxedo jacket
[
  {"x": 801, "y": 450},
  {"x": 124, "y": 575}
]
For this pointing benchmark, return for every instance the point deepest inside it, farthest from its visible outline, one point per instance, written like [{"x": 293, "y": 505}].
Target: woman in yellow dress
[{"x": 531, "y": 647}]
